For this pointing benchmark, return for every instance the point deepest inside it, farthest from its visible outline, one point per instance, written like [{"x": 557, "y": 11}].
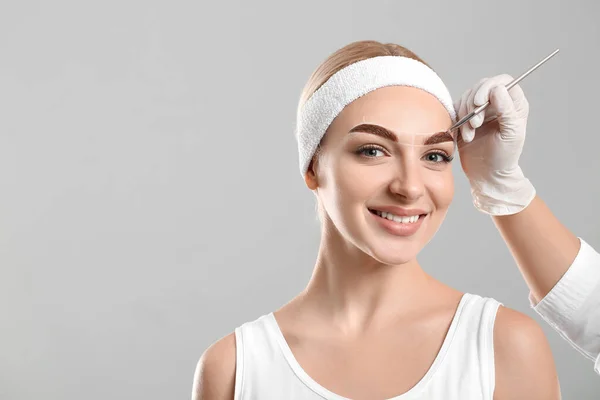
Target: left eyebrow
[{"x": 439, "y": 137}]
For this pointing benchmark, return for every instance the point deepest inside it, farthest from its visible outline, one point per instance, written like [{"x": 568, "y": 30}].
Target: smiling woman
[
  {"x": 393, "y": 218},
  {"x": 371, "y": 323}
]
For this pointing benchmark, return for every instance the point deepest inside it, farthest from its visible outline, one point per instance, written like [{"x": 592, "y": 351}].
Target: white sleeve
[{"x": 572, "y": 307}]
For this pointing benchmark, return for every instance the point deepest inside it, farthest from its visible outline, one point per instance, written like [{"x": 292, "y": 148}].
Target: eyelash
[{"x": 445, "y": 157}]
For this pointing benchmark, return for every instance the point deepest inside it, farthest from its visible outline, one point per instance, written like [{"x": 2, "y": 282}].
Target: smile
[
  {"x": 411, "y": 219},
  {"x": 398, "y": 225}
]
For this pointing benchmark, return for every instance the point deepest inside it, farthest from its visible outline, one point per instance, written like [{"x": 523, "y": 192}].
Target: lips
[
  {"x": 396, "y": 225},
  {"x": 410, "y": 219},
  {"x": 399, "y": 211}
]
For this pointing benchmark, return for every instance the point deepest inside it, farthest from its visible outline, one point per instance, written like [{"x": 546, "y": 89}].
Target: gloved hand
[{"x": 491, "y": 143}]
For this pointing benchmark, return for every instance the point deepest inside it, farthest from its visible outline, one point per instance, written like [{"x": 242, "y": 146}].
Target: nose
[{"x": 408, "y": 182}]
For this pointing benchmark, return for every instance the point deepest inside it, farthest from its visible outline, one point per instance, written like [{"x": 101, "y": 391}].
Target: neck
[{"x": 353, "y": 290}]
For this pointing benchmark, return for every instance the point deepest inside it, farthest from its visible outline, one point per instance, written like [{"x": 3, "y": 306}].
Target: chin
[
  {"x": 390, "y": 247},
  {"x": 395, "y": 253}
]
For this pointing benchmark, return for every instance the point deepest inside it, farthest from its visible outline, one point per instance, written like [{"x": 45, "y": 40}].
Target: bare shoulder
[
  {"x": 523, "y": 360},
  {"x": 214, "y": 378}
]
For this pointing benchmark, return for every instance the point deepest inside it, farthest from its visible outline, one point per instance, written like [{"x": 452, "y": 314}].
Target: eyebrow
[{"x": 438, "y": 137}]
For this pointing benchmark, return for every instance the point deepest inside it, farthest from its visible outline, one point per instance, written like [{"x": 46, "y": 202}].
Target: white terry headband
[{"x": 354, "y": 81}]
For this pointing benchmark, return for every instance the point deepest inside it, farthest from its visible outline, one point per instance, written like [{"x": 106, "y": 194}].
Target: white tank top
[{"x": 463, "y": 369}]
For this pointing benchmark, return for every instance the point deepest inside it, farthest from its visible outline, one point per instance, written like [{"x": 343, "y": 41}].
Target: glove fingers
[
  {"x": 503, "y": 102},
  {"x": 483, "y": 92},
  {"x": 520, "y": 101},
  {"x": 467, "y": 132},
  {"x": 477, "y": 120},
  {"x": 506, "y": 111},
  {"x": 516, "y": 92}
]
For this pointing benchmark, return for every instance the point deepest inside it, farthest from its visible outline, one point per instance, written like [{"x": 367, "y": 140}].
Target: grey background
[{"x": 150, "y": 199}]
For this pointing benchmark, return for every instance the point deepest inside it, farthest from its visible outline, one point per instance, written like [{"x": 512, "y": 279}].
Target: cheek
[
  {"x": 349, "y": 183},
  {"x": 362, "y": 182},
  {"x": 441, "y": 187}
]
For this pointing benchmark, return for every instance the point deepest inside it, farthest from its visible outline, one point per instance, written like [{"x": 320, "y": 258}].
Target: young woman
[{"x": 371, "y": 323}]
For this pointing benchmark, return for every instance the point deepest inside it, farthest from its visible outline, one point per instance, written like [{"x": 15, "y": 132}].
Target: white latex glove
[{"x": 491, "y": 143}]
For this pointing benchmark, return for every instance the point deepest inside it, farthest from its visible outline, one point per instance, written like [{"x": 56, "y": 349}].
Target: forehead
[{"x": 399, "y": 108}]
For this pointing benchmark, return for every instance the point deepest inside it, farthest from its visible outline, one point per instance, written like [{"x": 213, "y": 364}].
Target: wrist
[{"x": 503, "y": 193}]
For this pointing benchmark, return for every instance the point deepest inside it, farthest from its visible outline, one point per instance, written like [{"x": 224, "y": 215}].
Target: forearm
[{"x": 543, "y": 248}]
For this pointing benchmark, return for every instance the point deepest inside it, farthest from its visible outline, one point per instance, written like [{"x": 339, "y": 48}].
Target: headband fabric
[{"x": 354, "y": 81}]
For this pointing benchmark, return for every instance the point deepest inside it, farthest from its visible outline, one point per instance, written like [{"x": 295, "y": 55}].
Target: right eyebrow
[{"x": 375, "y": 130}]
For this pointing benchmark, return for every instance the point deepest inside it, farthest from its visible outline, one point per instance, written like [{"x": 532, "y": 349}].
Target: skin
[
  {"x": 369, "y": 305},
  {"x": 543, "y": 248}
]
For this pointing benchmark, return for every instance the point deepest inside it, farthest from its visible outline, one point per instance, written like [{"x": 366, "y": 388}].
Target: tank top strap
[
  {"x": 472, "y": 353},
  {"x": 260, "y": 363}
]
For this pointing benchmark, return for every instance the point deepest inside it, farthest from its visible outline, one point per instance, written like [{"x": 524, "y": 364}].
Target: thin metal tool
[{"x": 482, "y": 107}]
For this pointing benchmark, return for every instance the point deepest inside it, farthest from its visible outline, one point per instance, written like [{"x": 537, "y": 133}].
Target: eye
[
  {"x": 370, "y": 151},
  {"x": 438, "y": 157}
]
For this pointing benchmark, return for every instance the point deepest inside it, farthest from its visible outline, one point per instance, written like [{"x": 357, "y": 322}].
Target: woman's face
[{"x": 380, "y": 155}]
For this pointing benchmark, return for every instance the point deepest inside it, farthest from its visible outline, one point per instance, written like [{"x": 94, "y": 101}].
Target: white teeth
[{"x": 405, "y": 220}]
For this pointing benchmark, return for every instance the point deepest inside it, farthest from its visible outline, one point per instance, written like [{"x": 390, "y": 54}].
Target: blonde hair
[{"x": 347, "y": 55}]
